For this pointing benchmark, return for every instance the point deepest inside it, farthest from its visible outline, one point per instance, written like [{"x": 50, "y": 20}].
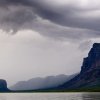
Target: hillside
[{"x": 40, "y": 83}]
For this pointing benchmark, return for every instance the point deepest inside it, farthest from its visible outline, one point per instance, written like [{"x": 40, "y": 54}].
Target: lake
[{"x": 50, "y": 96}]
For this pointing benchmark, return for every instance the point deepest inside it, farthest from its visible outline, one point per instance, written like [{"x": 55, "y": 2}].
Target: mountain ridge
[
  {"x": 40, "y": 83},
  {"x": 89, "y": 75}
]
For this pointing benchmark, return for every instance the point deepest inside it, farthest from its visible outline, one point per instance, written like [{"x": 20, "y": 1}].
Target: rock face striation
[
  {"x": 3, "y": 86},
  {"x": 90, "y": 71}
]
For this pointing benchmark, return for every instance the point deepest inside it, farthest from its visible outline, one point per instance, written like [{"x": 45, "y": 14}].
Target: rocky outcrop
[
  {"x": 3, "y": 86},
  {"x": 93, "y": 59},
  {"x": 90, "y": 71}
]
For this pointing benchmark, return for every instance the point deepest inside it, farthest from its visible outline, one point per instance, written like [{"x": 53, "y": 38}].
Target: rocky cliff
[
  {"x": 90, "y": 71},
  {"x": 3, "y": 86}
]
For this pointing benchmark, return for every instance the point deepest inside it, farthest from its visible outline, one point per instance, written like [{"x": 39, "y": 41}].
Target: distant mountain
[
  {"x": 40, "y": 83},
  {"x": 89, "y": 76}
]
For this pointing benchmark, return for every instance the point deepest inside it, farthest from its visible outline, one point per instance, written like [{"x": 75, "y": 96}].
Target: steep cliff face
[
  {"x": 93, "y": 59},
  {"x": 90, "y": 71},
  {"x": 3, "y": 86}
]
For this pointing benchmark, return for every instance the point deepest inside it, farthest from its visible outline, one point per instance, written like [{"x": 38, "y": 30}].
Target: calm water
[{"x": 51, "y": 96}]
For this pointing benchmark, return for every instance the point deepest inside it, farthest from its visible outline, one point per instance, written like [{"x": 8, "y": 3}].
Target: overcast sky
[{"x": 40, "y": 38}]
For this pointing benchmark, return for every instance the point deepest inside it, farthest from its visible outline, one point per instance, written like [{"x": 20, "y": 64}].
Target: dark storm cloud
[{"x": 67, "y": 20}]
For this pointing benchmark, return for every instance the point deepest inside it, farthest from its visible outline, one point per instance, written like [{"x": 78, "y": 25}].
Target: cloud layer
[
  {"x": 44, "y": 31},
  {"x": 69, "y": 19}
]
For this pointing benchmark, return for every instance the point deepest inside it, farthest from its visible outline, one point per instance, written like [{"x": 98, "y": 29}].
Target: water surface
[{"x": 50, "y": 96}]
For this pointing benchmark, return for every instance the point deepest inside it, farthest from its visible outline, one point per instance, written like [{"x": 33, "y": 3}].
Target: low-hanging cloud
[{"x": 72, "y": 20}]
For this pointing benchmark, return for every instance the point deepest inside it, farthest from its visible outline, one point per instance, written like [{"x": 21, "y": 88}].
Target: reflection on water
[
  {"x": 50, "y": 96},
  {"x": 91, "y": 96}
]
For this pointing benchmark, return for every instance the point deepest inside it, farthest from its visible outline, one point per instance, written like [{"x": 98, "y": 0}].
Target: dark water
[{"x": 50, "y": 96}]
